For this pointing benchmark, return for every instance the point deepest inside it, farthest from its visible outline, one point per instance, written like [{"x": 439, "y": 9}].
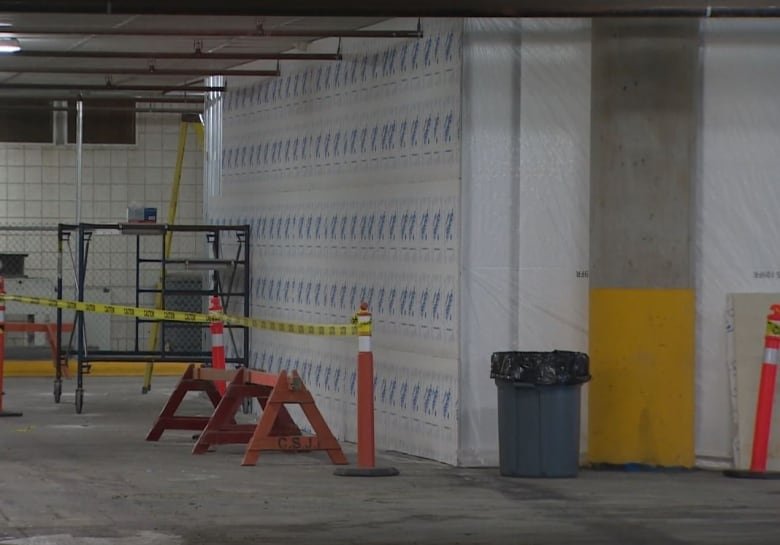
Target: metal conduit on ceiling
[
  {"x": 258, "y": 32},
  {"x": 110, "y": 87},
  {"x": 171, "y": 55},
  {"x": 179, "y": 111},
  {"x": 151, "y": 71},
  {"x": 404, "y": 8}
]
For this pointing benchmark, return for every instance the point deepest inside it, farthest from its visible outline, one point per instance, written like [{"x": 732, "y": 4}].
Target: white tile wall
[{"x": 38, "y": 188}]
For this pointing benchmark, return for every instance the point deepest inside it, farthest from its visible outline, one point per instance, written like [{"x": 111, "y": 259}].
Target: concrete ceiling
[{"x": 198, "y": 28}]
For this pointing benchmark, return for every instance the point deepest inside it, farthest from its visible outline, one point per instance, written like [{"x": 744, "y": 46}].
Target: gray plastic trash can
[{"x": 539, "y": 412}]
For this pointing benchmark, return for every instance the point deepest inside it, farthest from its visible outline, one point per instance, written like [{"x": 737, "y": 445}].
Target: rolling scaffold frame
[{"x": 227, "y": 286}]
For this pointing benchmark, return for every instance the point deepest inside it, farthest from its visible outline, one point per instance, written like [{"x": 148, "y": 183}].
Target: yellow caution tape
[{"x": 321, "y": 330}]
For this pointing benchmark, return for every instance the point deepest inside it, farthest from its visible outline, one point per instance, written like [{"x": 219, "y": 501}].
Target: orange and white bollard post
[
  {"x": 217, "y": 342},
  {"x": 366, "y": 451},
  {"x": 764, "y": 406},
  {"x": 366, "y": 455},
  {"x": 3, "y": 412}
]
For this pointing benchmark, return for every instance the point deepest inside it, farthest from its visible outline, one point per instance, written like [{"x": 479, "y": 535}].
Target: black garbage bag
[{"x": 543, "y": 368}]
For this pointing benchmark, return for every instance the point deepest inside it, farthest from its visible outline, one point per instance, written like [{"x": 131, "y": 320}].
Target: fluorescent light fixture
[{"x": 9, "y": 45}]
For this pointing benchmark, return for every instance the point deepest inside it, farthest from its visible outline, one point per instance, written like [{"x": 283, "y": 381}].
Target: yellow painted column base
[{"x": 641, "y": 399}]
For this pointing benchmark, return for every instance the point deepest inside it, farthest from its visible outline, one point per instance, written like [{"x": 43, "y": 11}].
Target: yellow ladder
[{"x": 187, "y": 121}]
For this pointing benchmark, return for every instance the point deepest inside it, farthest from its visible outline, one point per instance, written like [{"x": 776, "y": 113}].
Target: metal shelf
[
  {"x": 191, "y": 292},
  {"x": 229, "y": 278}
]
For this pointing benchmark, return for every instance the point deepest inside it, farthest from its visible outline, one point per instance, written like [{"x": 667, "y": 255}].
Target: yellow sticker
[{"x": 772, "y": 328}]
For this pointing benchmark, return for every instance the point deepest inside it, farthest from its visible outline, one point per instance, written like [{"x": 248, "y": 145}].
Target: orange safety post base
[
  {"x": 289, "y": 390},
  {"x": 194, "y": 379},
  {"x": 222, "y": 429}
]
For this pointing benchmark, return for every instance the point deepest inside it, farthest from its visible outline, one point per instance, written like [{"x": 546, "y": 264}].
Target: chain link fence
[{"x": 28, "y": 261}]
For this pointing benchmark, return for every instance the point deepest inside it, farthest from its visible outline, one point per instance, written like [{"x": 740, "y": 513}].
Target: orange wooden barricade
[
  {"x": 195, "y": 379},
  {"x": 290, "y": 390},
  {"x": 222, "y": 429},
  {"x": 275, "y": 429}
]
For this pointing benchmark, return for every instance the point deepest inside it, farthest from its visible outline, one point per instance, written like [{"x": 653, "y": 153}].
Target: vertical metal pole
[
  {"x": 137, "y": 292},
  {"x": 58, "y": 369},
  {"x": 82, "y": 348},
  {"x": 247, "y": 295},
  {"x": 79, "y": 144},
  {"x": 217, "y": 255},
  {"x": 80, "y": 256},
  {"x": 163, "y": 287}
]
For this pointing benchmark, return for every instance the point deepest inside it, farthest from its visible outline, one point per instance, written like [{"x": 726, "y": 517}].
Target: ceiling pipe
[
  {"x": 151, "y": 71},
  {"x": 91, "y": 108},
  {"x": 209, "y": 33},
  {"x": 161, "y": 100},
  {"x": 405, "y": 8},
  {"x": 93, "y": 99},
  {"x": 168, "y": 55},
  {"x": 281, "y": 33},
  {"x": 108, "y": 87},
  {"x": 139, "y": 99}
]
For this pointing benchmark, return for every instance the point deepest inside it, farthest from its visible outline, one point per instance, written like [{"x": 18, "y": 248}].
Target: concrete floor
[{"x": 92, "y": 479}]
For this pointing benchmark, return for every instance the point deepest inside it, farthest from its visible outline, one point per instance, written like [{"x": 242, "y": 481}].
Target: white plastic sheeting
[
  {"x": 738, "y": 209},
  {"x": 374, "y": 211},
  {"x": 349, "y": 174},
  {"x": 525, "y": 202}
]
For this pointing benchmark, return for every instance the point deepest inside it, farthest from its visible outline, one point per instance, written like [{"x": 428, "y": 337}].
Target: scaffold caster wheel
[
  {"x": 57, "y": 391},
  {"x": 79, "y": 400}
]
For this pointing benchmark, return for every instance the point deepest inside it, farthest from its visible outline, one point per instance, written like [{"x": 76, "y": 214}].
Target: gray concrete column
[{"x": 644, "y": 127}]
